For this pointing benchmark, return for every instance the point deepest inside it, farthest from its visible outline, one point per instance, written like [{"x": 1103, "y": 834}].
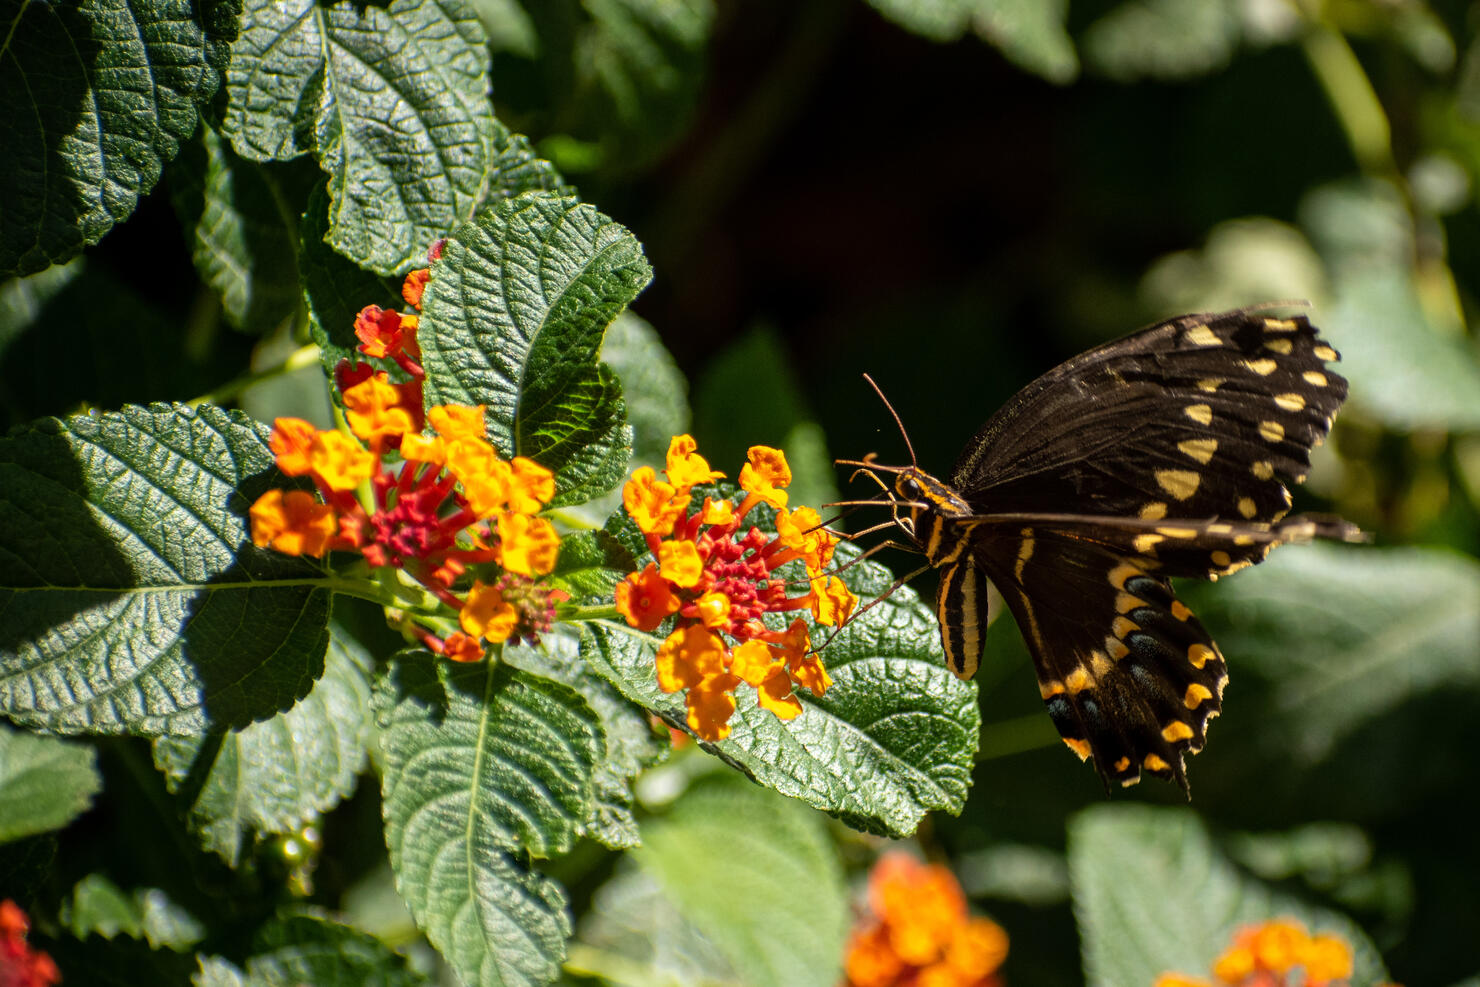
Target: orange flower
[
  {"x": 1278, "y": 953},
  {"x": 645, "y": 599},
  {"x": 528, "y": 545},
  {"x": 685, "y": 467},
  {"x": 340, "y": 463},
  {"x": 20, "y": 965},
  {"x": 462, "y": 647},
  {"x": 293, "y": 522},
  {"x": 918, "y": 931},
  {"x": 454, "y": 422},
  {"x": 291, "y": 440},
  {"x": 764, "y": 476},
  {"x": 375, "y": 413},
  {"x": 688, "y": 656},
  {"x": 679, "y": 563}
]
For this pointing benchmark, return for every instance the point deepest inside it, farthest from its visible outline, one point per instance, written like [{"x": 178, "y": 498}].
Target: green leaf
[
  {"x": 1404, "y": 367},
  {"x": 1152, "y": 895},
  {"x": 482, "y": 761},
  {"x": 45, "y": 783},
  {"x": 308, "y": 948},
  {"x": 242, "y": 219},
  {"x": 773, "y": 901},
  {"x": 99, "y": 906},
  {"x": 635, "y": 934},
  {"x": 277, "y": 774},
  {"x": 621, "y": 75},
  {"x": 631, "y": 745},
  {"x": 1031, "y": 34},
  {"x": 514, "y": 319},
  {"x": 1348, "y": 633},
  {"x": 1163, "y": 39},
  {"x": 1242, "y": 260},
  {"x": 99, "y": 95},
  {"x": 392, "y": 101},
  {"x": 134, "y": 600},
  {"x": 652, "y": 385},
  {"x": 891, "y": 740},
  {"x": 591, "y": 564},
  {"x": 938, "y": 20}
]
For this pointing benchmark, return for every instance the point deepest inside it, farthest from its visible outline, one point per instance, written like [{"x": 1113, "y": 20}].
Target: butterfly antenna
[{"x": 913, "y": 462}]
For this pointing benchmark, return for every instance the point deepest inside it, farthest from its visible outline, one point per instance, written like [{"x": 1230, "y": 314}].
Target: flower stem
[{"x": 304, "y": 356}]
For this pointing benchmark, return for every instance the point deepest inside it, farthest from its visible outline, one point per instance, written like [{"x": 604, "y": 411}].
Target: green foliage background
[{"x": 951, "y": 195}]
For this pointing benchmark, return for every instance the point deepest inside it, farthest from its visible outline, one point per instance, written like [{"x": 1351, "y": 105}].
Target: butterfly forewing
[{"x": 1163, "y": 454}]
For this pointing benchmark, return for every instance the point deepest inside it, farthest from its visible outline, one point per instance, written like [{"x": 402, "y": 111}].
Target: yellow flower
[
  {"x": 832, "y": 601},
  {"x": 685, "y": 466},
  {"x": 527, "y": 545},
  {"x": 679, "y": 563},
  {"x": 339, "y": 461},
  {"x": 374, "y": 411},
  {"x": 655, "y": 506},
  {"x": 454, "y": 421},
  {"x": 531, "y": 487},
  {"x": 714, "y": 609},
  {"x": 293, "y": 522},
  {"x": 764, "y": 476},
  {"x": 690, "y": 655},
  {"x": 486, "y": 614}
]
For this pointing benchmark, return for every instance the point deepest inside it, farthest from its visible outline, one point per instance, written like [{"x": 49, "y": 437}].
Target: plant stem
[{"x": 304, "y": 356}]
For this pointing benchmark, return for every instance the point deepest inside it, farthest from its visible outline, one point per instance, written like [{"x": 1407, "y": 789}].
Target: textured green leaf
[
  {"x": 938, "y": 20},
  {"x": 277, "y": 774},
  {"x": 100, "y": 906},
  {"x": 135, "y": 601},
  {"x": 514, "y": 319},
  {"x": 311, "y": 949},
  {"x": 45, "y": 783},
  {"x": 774, "y": 902},
  {"x": 1163, "y": 39},
  {"x": 242, "y": 219},
  {"x": 652, "y": 385},
  {"x": 392, "y": 101},
  {"x": 217, "y": 972},
  {"x": 1152, "y": 895},
  {"x": 99, "y": 93},
  {"x": 891, "y": 740},
  {"x": 631, "y": 744},
  {"x": 482, "y": 761},
  {"x": 1348, "y": 633}
]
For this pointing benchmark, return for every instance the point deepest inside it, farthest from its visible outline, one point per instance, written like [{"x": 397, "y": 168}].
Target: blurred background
[{"x": 954, "y": 196}]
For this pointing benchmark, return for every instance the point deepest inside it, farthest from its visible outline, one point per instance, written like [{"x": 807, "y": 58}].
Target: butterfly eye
[{"x": 909, "y": 488}]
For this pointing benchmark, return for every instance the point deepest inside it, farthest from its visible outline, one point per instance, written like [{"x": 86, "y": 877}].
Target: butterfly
[{"x": 1162, "y": 454}]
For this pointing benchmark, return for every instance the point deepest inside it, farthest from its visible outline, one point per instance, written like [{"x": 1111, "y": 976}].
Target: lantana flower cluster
[
  {"x": 433, "y": 507},
  {"x": 917, "y": 932},
  {"x": 718, "y": 578},
  {"x": 1279, "y": 953},
  {"x": 20, "y": 965}
]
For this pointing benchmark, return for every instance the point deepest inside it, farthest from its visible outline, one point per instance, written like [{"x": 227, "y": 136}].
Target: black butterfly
[{"x": 1162, "y": 454}]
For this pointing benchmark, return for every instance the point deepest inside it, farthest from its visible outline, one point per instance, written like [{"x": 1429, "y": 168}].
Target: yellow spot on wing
[
  {"x": 1290, "y": 402},
  {"x": 1078, "y": 680},
  {"x": 1279, "y": 325},
  {"x": 1080, "y": 747},
  {"x": 1199, "y": 449},
  {"x": 1247, "y": 507},
  {"x": 1196, "y": 694},
  {"x": 1200, "y": 413},
  {"x": 1262, "y": 469},
  {"x": 1175, "y": 731},
  {"x": 1121, "y": 573},
  {"x": 1154, "y": 763},
  {"x": 1201, "y": 336},
  {"x": 1181, "y": 484},
  {"x": 1198, "y": 655},
  {"x": 1025, "y": 552},
  {"x": 1146, "y": 543},
  {"x": 1125, "y": 602},
  {"x": 1263, "y": 367},
  {"x": 1180, "y": 611},
  {"x": 1050, "y": 689},
  {"x": 1122, "y": 626},
  {"x": 1315, "y": 378},
  {"x": 1280, "y": 346},
  {"x": 1325, "y": 353},
  {"x": 1122, "y": 764},
  {"x": 1221, "y": 559},
  {"x": 1271, "y": 431},
  {"x": 1099, "y": 662},
  {"x": 1116, "y": 649},
  {"x": 1177, "y": 532},
  {"x": 1154, "y": 511},
  {"x": 1210, "y": 384}
]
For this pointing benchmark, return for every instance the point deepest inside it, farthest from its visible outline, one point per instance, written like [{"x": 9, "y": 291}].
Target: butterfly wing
[
  {"x": 1202, "y": 416},
  {"x": 1162, "y": 454}
]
